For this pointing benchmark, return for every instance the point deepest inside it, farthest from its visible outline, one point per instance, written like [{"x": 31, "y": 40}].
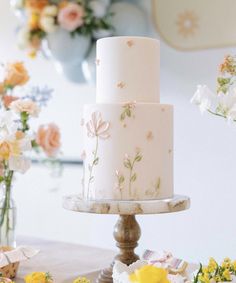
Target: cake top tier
[{"x": 128, "y": 69}]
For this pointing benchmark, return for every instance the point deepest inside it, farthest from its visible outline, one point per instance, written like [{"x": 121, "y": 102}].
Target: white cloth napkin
[{"x": 17, "y": 255}]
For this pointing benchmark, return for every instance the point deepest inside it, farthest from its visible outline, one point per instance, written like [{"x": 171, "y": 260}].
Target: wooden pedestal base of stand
[{"x": 127, "y": 232}]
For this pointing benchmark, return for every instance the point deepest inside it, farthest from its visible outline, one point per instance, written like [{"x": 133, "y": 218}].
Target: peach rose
[
  {"x": 8, "y": 99},
  {"x": 5, "y": 150},
  {"x": 16, "y": 74},
  {"x": 48, "y": 137},
  {"x": 36, "y": 5},
  {"x": 28, "y": 106},
  {"x": 71, "y": 16}
]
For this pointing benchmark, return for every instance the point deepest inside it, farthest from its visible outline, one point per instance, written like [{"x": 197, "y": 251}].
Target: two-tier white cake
[{"x": 128, "y": 134}]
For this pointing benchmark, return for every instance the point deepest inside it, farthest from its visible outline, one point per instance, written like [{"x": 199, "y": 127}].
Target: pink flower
[
  {"x": 48, "y": 137},
  {"x": 96, "y": 127},
  {"x": 28, "y": 106},
  {"x": 71, "y": 16}
]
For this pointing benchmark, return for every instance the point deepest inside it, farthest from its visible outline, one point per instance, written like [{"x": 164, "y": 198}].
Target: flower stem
[
  {"x": 93, "y": 163},
  {"x": 5, "y": 210}
]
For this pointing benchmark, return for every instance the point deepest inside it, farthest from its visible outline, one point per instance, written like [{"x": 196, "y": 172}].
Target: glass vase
[{"x": 7, "y": 218}]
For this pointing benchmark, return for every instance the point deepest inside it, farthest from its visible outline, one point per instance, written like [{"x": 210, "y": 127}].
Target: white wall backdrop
[{"x": 205, "y": 167}]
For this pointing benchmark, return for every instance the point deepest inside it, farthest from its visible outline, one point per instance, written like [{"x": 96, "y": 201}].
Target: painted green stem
[{"x": 91, "y": 168}]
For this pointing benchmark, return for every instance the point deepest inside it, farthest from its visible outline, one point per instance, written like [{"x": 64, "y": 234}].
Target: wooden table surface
[{"x": 64, "y": 261}]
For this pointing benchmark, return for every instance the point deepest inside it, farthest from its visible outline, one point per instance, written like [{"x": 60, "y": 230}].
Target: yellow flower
[
  {"x": 38, "y": 277},
  {"x": 234, "y": 265},
  {"x": 226, "y": 275},
  {"x": 81, "y": 280},
  {"x": 204, "y": 278},
  {"x": 34, "y": 21},
  {"x": 150, "y": 274},
  {"x": 212, "y": 265}
]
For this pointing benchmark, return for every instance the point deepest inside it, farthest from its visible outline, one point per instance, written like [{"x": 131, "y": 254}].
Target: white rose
[
  {"x": 48, "y": 24},
  {"x": 28, "y": 106},
  {"x": 23, "y": 38},
  {"x": 203, "y": 97},
  {"x": 99, "y": 8},
  {"x": 17, "y": 4},
  {"x": 19, "y": 164},
  {"x": 51, "y": 11}
]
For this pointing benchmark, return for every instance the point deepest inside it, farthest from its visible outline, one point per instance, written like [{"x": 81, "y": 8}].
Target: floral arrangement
[
  {"x": 222, "y": 103},
  {"x": 18, "y": 106},
  {"x": 214, "y": 272},
  {"x": 46, "y": 16}
]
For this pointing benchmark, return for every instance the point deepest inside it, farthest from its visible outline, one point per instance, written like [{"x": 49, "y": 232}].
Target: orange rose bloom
[
  {"x": 8, "y": 99},
  {"x": 48, "y": 137},
  {"x": 16, "y": 74},
  {"x": 36, "y": 5}
]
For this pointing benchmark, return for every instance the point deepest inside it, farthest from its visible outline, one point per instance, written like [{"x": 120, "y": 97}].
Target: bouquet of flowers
[
  {"x": 222, "y": 103},
  {"x": 215, "y": 272},
  {"x": 17, "y": 107},
  {"x": 46, "y": 16}
]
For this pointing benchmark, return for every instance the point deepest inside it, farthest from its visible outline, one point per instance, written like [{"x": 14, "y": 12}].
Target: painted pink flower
[
  {"x": 71, "y": 16},
  {"x": 48, "y": 137},
  {"x": 96, "y": 127}
]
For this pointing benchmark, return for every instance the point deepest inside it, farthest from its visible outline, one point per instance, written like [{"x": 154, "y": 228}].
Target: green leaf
[{"x": 1, "y": 179}]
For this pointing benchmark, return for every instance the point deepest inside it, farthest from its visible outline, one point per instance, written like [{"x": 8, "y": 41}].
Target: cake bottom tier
[{"x": 128, "y": 151}]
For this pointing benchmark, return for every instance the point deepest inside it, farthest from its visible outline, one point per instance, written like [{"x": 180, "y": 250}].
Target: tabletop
[{"x": 64, "y": 261}]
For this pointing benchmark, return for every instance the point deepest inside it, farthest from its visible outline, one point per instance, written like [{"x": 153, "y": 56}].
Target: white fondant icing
[
  {"x": 128, "y": 69},
  {"x": 144, "y": 167}
]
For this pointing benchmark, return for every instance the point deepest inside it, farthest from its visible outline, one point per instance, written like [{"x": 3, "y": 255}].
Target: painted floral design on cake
[
  {"x": 154, "y": 191},
  {"x": 127, "y": 111},
  {"x": 96, "y": 129},
  {"x": 129, "y": 163}
]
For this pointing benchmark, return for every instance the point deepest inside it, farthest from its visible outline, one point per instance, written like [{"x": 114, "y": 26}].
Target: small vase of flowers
[{"x": 17, "y": 139}]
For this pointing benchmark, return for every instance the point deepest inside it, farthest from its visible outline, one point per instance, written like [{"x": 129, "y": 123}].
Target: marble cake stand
[{"x": 127, "y": 231}]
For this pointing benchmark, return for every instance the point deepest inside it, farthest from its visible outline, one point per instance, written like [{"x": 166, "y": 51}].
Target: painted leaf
[
  {"x": 134, "y": 177},
  {"x": 127, "y": 164},
  {"x": 121, "y": 179},
  {"x": 138, "y": 158},
  {"x": 128, "y": 112},
  {"x": 122, "y": 116},
  {"x": 96, "y": 160}
]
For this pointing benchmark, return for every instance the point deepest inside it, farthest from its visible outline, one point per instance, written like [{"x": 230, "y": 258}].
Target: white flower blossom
[
  {"x": 23, "y": 38},
  {"x": 48, "y": 24},
  {"x": 19, "y": 163},
  {"x": 203, "y": 97},
  {"x": 8, "y": 126}
]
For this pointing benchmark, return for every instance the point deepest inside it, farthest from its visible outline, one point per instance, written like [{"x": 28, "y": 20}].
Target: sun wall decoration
[{"x": 186, "y": 24}]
